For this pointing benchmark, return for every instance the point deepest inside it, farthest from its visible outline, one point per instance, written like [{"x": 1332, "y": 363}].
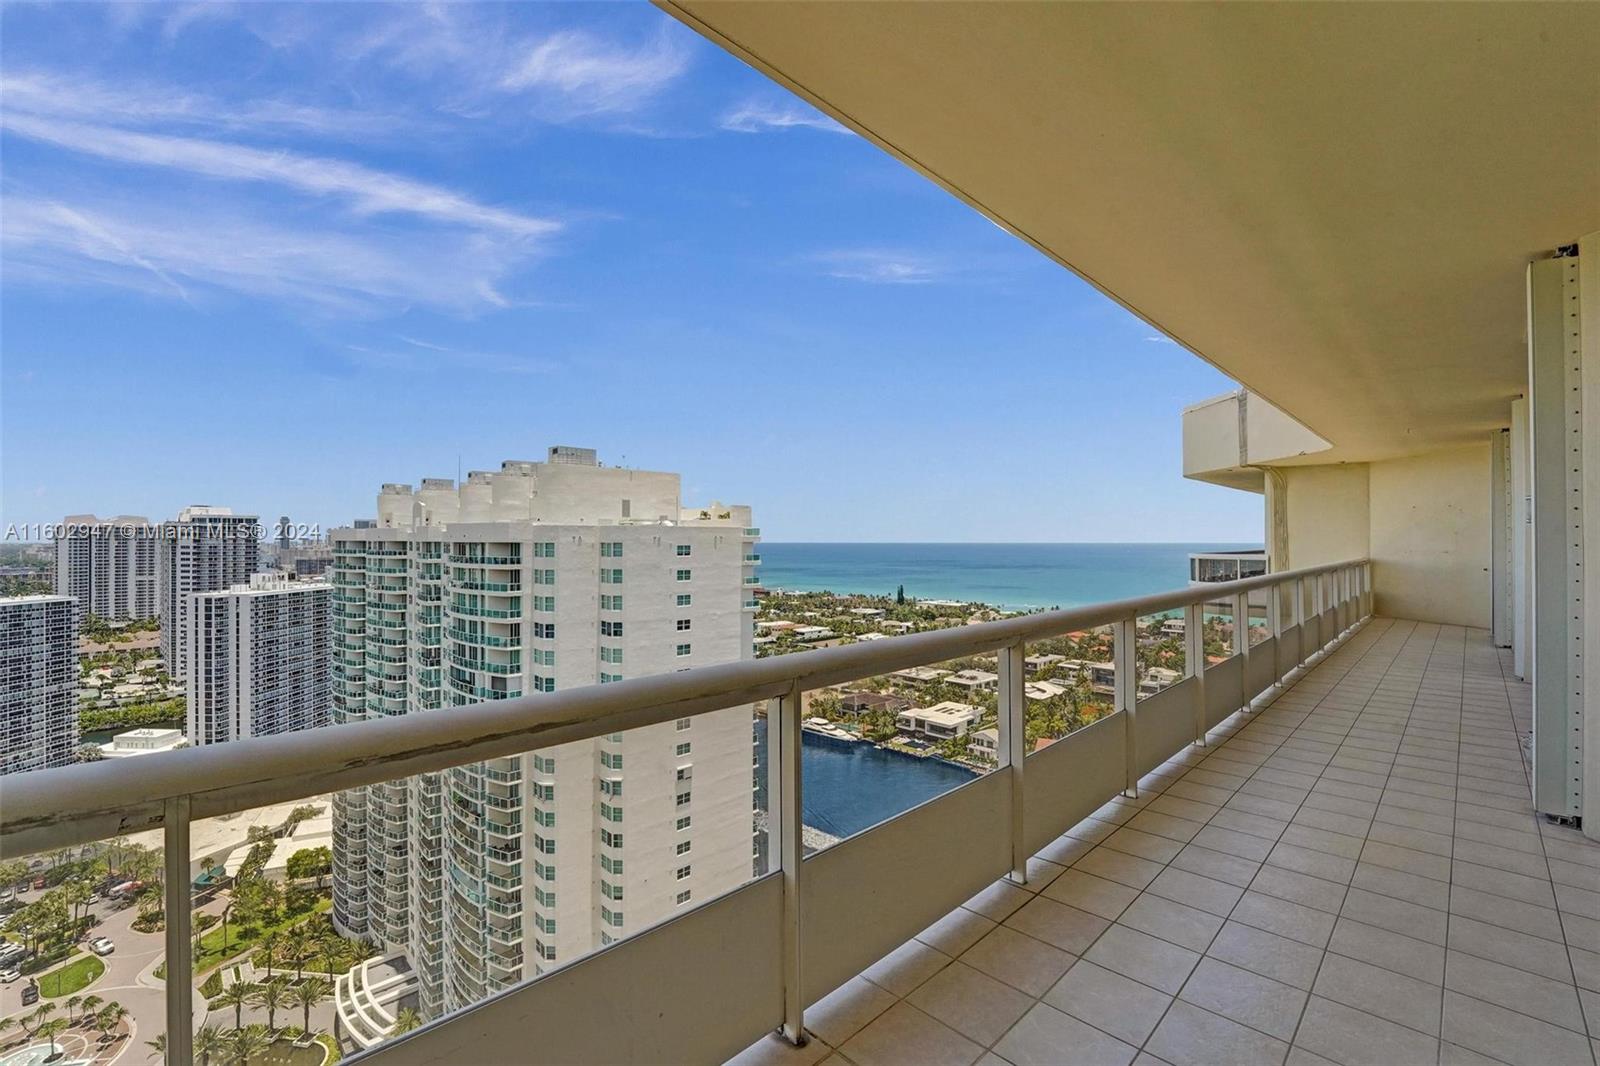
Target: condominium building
[
  {"x": 534, "y": 578},
  {"x": 259, "y": 660},
  {"x": 38, "y": 682},
  {"x": 204, "y": 549},
  {"x": 108, "y": 565}
]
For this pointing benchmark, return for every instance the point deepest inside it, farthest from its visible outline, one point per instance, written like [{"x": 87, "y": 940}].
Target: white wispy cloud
[
  {"x": 367, "y": 191},
  {"x": 43, "y": 93},
  {"x": 1157, "y": 339},
  {"x": 758, "y": 116},
  {"x": 196, "y": 251},
  {"x": 415, "y": 355},
  {"x": 882, "y": 266},
  {"x": 587, "y": 75}
]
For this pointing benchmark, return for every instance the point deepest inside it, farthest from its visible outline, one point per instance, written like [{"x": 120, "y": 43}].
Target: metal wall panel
[
  {"x": 1069, "y": 780},
  {"x": 1165, "y": 724},
  {"x": 1263, "y": 668},
  {"x": 1224, "y": 689},
  {"x": 1288, "y": 643},
  {"x": 865, "y": 896},
  {"x": 705, "y": 985}
]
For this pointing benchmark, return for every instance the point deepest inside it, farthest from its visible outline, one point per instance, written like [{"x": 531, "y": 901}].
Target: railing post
[
  {"x": 1275, "y": 627},
  {"x": 1194, "y": 657},
  {"x": 791, "y": 850},
  {"x": 1013, "y": 750},
  {"x": 1125, "y": 645},
  {"x": 1241, "y": 641},
  {"x": 1366, "y": 590},
  {"x": 180, "y": 960}
]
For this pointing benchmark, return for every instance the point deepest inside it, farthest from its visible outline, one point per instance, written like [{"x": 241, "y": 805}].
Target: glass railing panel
[{"x": 1161, "y": 654}]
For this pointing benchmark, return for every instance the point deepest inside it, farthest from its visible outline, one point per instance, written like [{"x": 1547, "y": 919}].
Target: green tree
[
  {"x": 272, "y": 995},
  {"x": 107, "y": 1018},
  {"x": 238, "y": 995},
  {"x": 72, "y": 1004},
  {"x": 405, "y": 1020},
  {"x": 308, "y": 994},
  {"x": 209, "y": 1041},
  {"x": 310, "y": 862},
  {"x": 158, "y": 1047},
  {"x": 91, "y": 1004},
  {"x": 248, "y": 1043},
  {"x": 50, "y": 1030}
]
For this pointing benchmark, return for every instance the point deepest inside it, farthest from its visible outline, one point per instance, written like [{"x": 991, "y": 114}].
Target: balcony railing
[{"x": 759, "y": 953}]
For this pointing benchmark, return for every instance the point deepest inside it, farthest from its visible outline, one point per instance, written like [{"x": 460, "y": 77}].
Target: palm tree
[
  {"x": 238, "y": 995},
  {"x": 107, "y": 1017},
  {"x": 8, "y": 1023},
  {"x": 158, "y": 1047},
  {"x": 308, "y": 994},
  {"x": 72, "y": 1003},
  {"x": 90, "y": 1004},
  {"x": 298, "y": 949},
  {"x": 209, "y": 1041},
  {"x": 272, "y": 995},
  {"x": 248, "y": 1043},
  {"x": 270, "y": 952},
  {"x": 52, "y": 1029},
  {"x": 405, "y": 1020},
  {"x": 38, "y": 1017}
]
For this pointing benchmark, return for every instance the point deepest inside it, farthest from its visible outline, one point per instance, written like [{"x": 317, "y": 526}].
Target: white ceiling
[{"x": 1333, "y": 203}]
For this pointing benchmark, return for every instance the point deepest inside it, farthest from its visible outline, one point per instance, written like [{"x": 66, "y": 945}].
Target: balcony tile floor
[{"x": 1351, "y": 874}]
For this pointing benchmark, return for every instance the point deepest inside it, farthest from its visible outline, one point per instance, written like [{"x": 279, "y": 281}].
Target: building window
[
  {"x": 611, "y": 655},
  {"x": 609, "y": 787},
  {"x": 683, "y": 897},
  {"x": 543, "y": 898},
  {"x": 683, "y": 649},
  {"x": 543, "y": 872},
  {"x": 544, "y": 630},
  {"x": 683, "y": 549},
  {"x": 683, "y": 749},
  {"x": 543, "y": 765},
  {"x": 683, "y": 823},
  {"x": 544, "y": 818},
  {"x": 544, "y": 845},
  {"x": 610, "y": 839},
  {"x": 683, "y": 799},
  {"x": 684, "y": 575},
  {"x": 606, "y": 679},
  {"x": 683, "y": 872},
  {"x": 611, "y": 629},
  {"x": 611, "y": 549},
  {"x": 610, "y": 603},
  {"x": 685, "y": 773},
  {"x": 611, "y": 577},
  {"x": 611, "y": 891},
  {"x": 544, "y": 684},
  {"x": 684, "y": 846},
  {"x": 545, "y": 925},
  {"x": 610, "y": 813},
  {"x": 684, "y": 599},
  {"x": 545, "y": 549},
  {"x": 684, "y": 723},
  {"x": 685, "y": 624},
  {"x": 546, "y": 951},
  {"x": 544, "y": 793},
  {"x": 611, "y": 760},
  {"x": 544, "y": 577}
]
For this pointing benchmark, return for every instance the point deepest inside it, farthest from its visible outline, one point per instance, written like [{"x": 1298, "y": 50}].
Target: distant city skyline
[{"x": 266, "y": 261}]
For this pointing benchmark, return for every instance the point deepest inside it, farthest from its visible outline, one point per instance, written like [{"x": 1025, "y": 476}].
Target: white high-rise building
[
  {"x": 108, "y": 565},
  {"x": 536, "y": 578},
  {"x": 205, "y": 549},
  {"x": 259, "y": 659},
  {"x": 38, "y": 682}
]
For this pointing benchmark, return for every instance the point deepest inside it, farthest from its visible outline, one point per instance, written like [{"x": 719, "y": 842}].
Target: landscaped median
[{"x": 73, "y": 977}]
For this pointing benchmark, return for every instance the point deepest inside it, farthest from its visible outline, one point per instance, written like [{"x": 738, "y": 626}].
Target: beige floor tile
[
  {"x": 843, "y": 1012},
  {"x": 1181, "y": 924},
  {"x": 1143, "y": 845},
  {"x": 1300, "y": 888},
  {"x": 1511, "y": 1037},
  {"x": 1395, "y": 915},
  {"x": 906, "y": 967},
  {"x": 1293, "y": 920},
  {"x": 1144, "y": 958},
  {"x": 1355, "y": 1037},
  {"x": 1019, "y": 960},
  {"x": 1195, "y": 890},
  {"x": 1047, "y": 1037},
  {"x": 1055, "y": 923},
  {"x": 1401, "y": 999},
  {"x": 998, "y": 901},
  {"x": 1087, "y": 892},
  {"x": 1268, "y": 954},
  {"x": 774, "y": 1050},
  {"x": 1119, "y": 866},
  {"x": 956, "y": 931},
  {"x": 972, "y": 1003},
  {"x": 905, "y": 1036},
  {"x": 1390, "y": 950},
  {"x": 1190, "y": 1036},
  {"x": 1217, "y": 865},
  {"x": 1552, "y": 1001},
  {"x": 1246, "y": 997},
  {"x": 1109, "y": 1001}
]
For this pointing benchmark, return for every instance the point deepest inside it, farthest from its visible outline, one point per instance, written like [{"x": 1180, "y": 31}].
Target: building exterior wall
[
  {"x": 205, "y": 549},
  {"x": 1326, "y": 512},
  {"x": 1430, "y": 536},
  {"x": 38, "y": 682},
  {"x": 260, "y": 659},
  {"x": 108, "y": 565},
  {"x": 532, "y": 579}
]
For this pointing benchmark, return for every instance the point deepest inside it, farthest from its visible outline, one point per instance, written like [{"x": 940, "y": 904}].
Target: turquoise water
[{"x": 1017, "y": 576}]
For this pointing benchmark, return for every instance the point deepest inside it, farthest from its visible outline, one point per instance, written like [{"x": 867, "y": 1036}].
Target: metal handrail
[{"x": 58, "y": 808}]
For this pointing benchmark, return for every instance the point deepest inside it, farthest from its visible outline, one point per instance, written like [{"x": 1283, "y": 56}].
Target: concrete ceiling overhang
[{"x": 1333, "y": 203}]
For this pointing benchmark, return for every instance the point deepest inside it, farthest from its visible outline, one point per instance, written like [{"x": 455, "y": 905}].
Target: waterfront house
[
  {"x": 985, "y": 743},
  {"x": 872, "y": 702},
  {"x": 941, "y": 721},
  {"x": 920, "y": 676}
]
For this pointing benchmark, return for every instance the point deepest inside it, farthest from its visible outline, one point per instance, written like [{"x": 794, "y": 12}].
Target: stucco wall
[
  {"x": 1327, "y": 514},
  {"x": 1430, "y": 536}
]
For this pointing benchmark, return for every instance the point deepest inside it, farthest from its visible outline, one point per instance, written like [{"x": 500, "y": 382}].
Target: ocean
[{"x": 1014, "y": 576}]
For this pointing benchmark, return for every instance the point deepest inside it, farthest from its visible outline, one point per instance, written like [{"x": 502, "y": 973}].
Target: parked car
[
  {"x": 38, "y": 882},
  {"x": 7, "y": 976},
  {"x": 102, "y": 945},
  {"x": 30, "y": 994}
]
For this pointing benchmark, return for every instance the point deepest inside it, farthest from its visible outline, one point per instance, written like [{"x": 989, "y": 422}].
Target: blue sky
[{"x": 274, "y": 256}]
